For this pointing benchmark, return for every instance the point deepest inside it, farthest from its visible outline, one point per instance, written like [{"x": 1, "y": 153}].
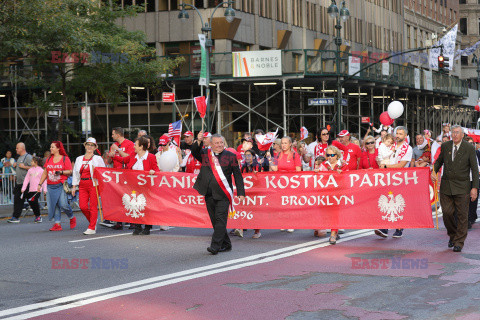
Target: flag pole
[
  {"x": 436, "y": 200},
  {"x": 98, "y": 198}
]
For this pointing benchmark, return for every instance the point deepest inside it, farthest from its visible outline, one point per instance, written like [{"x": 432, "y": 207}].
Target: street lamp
[
  {"x": 339, "y": 16},
  {"x": 206, "y": 29},
  {"x": 477, "y": 61}
]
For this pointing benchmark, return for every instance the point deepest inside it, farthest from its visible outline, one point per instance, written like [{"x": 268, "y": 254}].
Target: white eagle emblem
[
  {"x": 134, "y": 205},
  {"x": 392, "y": 207}
]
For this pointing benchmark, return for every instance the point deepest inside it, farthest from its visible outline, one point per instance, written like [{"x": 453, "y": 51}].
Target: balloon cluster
[{"x": 394, "y": 111}]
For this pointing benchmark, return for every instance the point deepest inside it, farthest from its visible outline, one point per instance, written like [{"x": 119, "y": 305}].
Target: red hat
[
  {"x": 163, "y": 141},
  {"x": 343, "y": 133},
  {"x": 207, "y": 135},
  {"x": 188, "y": 134}
]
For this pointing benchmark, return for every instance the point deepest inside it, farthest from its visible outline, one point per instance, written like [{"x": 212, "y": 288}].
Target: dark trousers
[
  {"x": 33, "y": 202},
  {"x": 472, "y": 210},
  {"x": 139, "y": 227},
  {"x": 455, "y": 216},
  {"x": 218, "y": 212},
  {"x": 17, "y": 201}
]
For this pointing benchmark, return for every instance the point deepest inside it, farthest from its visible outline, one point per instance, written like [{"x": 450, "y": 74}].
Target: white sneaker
[
  {"x": 239, "y": 232},
  {"x": 164, "y": 228},
  {"x": 256, "y": 235},
  {"x": 290, "y": 230},
  {"x": 341, "y": 231},
  {"x": 89, "y": 231}
]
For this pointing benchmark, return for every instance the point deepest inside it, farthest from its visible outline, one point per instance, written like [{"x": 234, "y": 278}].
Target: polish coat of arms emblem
[
  {"x": 391, "y": 206},
  {"x": 134, "y": 204}
]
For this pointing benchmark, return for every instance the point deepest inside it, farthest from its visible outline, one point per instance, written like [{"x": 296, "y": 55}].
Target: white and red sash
[
  {"x": 320, "y": 149},
  {"x": 403, "y": 151},
  {"x": 221, "y": 180}
]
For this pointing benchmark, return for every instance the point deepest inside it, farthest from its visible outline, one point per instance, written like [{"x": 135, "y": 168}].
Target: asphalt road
[{"x": 170, "y": 275}]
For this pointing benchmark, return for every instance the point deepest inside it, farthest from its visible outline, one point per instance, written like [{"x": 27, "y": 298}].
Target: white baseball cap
[{"x": 91, "y": 140}]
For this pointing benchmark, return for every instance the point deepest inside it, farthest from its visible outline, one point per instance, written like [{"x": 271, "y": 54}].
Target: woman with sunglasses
[
  {"x": 369, "y": 154},
  {"x": 333, "y": 163},
  {"x": 83, "y": 179},
  {"x": 317, "y": 148}
]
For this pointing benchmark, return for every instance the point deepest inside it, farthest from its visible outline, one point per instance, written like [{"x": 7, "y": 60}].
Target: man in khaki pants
[{"x": 456, "y": 190}]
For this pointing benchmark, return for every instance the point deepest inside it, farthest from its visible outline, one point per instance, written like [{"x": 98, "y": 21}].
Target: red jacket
[{"x": 149, "y": 164}]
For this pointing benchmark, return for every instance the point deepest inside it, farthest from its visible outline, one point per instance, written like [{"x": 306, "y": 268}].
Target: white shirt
[
  {"x": 407, "y": 157},
  {"x": 385, "y": 152},
  {"x": 139, "y": 164}
]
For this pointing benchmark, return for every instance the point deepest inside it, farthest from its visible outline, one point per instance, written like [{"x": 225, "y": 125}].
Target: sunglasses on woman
[
  {"x": 371, "y": 142},
  {"x": 330, "y": 154}
]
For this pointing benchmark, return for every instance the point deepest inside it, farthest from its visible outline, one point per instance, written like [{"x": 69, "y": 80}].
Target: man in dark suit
[
  {"x": 209, "y": 184},
  {"x": 458, "y": 159}
]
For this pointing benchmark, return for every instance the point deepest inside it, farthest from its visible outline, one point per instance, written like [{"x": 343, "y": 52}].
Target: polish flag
[
  {"x": 201, "y": 105},
  {"x": 303, "y": 133},
  {"x": 265, "y": 141}
]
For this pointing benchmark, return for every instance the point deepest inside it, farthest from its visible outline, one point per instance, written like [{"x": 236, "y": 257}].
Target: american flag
[{"x": 175, "y": 129}]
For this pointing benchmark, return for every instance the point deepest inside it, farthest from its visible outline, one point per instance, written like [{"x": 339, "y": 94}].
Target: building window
[
  {"x": 297, "y": 13},
  {"x": 311, "y": 16},
  {"x": 282, "y": 10},
  {"x": 244, "y": 5},
  {"x": 464, "y": 60},
  {"x": 463, "y": 1},
  {"x": 415, "y": 38},
  {"x": 463, "y": 25},
  {"x": 266, "y": 8},
  {"x": 408, "y": 37}
]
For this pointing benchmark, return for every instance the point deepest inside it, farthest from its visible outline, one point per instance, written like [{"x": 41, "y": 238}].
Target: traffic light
[
  {"x": 446, "y": 64},
  {"x": 441, "y": 61}
]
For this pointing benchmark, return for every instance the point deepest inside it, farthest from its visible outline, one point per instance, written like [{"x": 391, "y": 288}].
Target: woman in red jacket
[
  {"x": 369, "y": 156},
  {"x": 144, "y": 161}
]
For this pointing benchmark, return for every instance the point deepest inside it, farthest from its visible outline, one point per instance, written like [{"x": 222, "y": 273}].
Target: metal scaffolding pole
[
  {"x": 46, "y": 114},
  {"x": 359, "y": 115},
  {"x": 108, "y": 123},
  {"x": 129, "y": 110},
  {"x": 418, "y": 113},
  {"x": 266, "y": 110},
  {"x": 249, "y": 108},
  {"x": 219, "y": 111},
  {"x": 148, "y": 110},
  {"x": 284, "y": 108}
]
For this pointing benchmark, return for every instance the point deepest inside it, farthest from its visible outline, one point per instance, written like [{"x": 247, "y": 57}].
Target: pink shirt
[{"x": 33, "y": 178}]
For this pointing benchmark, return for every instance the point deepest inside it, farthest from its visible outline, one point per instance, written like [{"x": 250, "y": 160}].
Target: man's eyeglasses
[
  {"x": 371, "y": 142},
  {"x": 325, "y": 134},
  {"x": 331, "y": 154}
]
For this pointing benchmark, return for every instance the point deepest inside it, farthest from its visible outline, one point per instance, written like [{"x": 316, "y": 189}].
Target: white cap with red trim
[
  {"x": 188, "y": 134},
  {"x": 207, "y": 135},
  {"x": 343, "y": 133}
]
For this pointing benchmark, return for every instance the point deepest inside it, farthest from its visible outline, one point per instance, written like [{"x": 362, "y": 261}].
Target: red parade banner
[{"x": 362, "y": 199}]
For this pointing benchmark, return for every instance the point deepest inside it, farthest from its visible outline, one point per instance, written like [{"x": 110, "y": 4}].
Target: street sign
[
  {"x": 321, "y": 102},
  {"x": 365, "y": 119},
  {"x": 168, "y": 97},
  {"x": 325, "y": 102},
  {"x": 86, "y": 120}
]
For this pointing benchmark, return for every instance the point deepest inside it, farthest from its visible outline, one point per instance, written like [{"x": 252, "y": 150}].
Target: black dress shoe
[
  {"x": 137, "y": 231},
  {"x": 457, "y": 249},
  {"x": 145, "y": 232},
  {"x": 225, "y": 249},
  {"x": 450, "y": 243},
  {"x": 212, "y": 251}
]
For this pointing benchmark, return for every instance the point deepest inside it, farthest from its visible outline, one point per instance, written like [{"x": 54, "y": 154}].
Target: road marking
[
  {"x": 104, "y": 237},
  {"x": 159, "y": 281}
]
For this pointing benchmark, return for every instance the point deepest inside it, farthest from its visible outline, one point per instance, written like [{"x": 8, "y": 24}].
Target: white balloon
[
  {"x": 167, "y": 161},
  {"x": 395, "y": 109}
]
